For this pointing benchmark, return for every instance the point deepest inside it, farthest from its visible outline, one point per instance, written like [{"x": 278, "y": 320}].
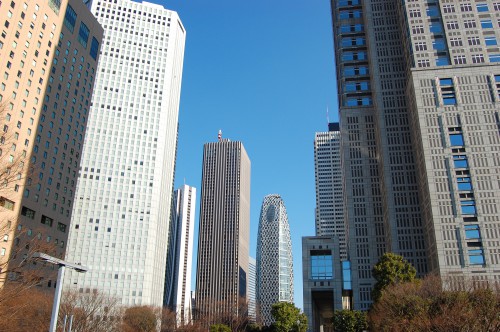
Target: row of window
[{"x": 83, "y": 32}]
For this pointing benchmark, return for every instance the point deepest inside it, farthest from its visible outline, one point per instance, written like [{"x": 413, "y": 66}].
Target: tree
[
  {"x": 140, "y": 319},
  {"x": 288, "y": 318},
  {"x": 391, "y": 269},
  {"x": 28, "y": 311},
  {"x": 220, "y": 328},
  {"x": 350, "y": 321},
  {"x": 91, "y": 311},
  {"x": 426, "y": 306}
]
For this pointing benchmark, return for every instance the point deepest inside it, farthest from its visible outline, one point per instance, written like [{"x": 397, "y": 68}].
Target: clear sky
[{"x": 262, "y": 71}]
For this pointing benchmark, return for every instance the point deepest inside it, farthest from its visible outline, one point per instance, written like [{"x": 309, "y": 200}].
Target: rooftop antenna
[
  {"x": 327, "y": 116},
  {"x": 220, "y": 135}
]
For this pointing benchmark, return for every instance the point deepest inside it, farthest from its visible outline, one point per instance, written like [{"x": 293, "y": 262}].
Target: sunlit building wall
[{"x": 123, "y": 200}]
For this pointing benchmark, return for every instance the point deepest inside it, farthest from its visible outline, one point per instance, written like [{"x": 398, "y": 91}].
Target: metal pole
[
  {"x": 65, "y": 320},
  {"x": 57, "y": 299},
  {"x": 70, "y": 323}
]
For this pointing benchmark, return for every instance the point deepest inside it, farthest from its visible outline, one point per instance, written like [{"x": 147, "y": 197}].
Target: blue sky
[{"x": 263, "y": 72}]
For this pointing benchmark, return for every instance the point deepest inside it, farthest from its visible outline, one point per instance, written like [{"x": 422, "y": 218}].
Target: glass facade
[{"x": 321, "y": 265}]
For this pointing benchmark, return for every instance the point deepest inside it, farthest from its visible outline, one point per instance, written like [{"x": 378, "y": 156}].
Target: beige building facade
[{"x": 48, "y": 52}]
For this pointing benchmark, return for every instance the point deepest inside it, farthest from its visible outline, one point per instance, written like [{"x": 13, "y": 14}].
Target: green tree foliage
[
  {"x": 140, "y": 319},
  {"x": 220, "y": 328},
  {"x": 288, "y": 318},
  {"x": 425, "y": 306},
  {"x": 391, "y": 269},
  {"x": 350, "y": 321}
]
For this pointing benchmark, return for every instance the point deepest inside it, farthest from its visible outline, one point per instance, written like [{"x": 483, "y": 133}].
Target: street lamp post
[{"x": 60, "y": 276}]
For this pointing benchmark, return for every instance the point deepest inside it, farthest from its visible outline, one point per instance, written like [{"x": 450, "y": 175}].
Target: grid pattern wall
[
  {"x": 124, "y": 190},
  {"x": 458, "y": 159},
  {"x": 222, "y": 267},
  {"x": 48, "y": 71},
  {"x": 329, "y": 194},
  {"x": 274, "y": 257},
  {"x": 180, "y": 254}
]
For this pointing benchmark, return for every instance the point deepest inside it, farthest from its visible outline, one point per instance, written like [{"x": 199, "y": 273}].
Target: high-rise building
[
  {"x": 180, "y": 255},
  {"x": 418, "y": 102},
  {"x": 224, "y": 231},
  {"x": 251, "y": 289},
  {"x": 122, "y": 207},
  {"x": 329, "y": 193},
  {"x": 274, "y": 258},
  {"x": 49, "y": 52}
]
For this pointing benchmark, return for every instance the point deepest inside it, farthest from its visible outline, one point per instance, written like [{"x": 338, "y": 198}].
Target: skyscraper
[
  {"x": 251, "y": 289},
  {"x": 121, "y": 216},
  {"x": 418, "y": 94},
  {"x": 274, "y": 258},
  {"x": 224, "y": 231},
  {"x": 329, "y": 193},
  {"x": 49, "y": 52},
  {"x": 180, "y": 254}
]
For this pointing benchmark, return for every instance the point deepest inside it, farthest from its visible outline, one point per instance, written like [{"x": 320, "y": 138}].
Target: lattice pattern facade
[{"x": 274, "y": 257}]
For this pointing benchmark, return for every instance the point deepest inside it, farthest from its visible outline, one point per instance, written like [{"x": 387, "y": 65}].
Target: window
[
  {"x": 472, "y": 232},
  {"x": 94, "y": 48},
  {"x": 449, "y": 8},
  {"x": 469, "y": 24},
  {"x": 486, "y": 24},
  {"x": 452, "y": 25},
  {"x": 423, "y": 63},
  {"x": 355, "y": 71},
  {"x": 468, "y": 206},
  {"x": 417, "y": 29},
  {"x": 436, "y": 28},
  {"x": 482, "y": 7},
  {"x": 321, "y": 264},
  {"x": 496, "y": 6},
  {"x": 47, "y": 221},
  {"x": 360, "y": 101},
  {"x": 465, "y": 7},
  {"x": 357, "y": 86},
  {"x": 70, "y": 18},
  {"x": 420, "y": 46},
  {"x": 460, "y": 161},
  {"x": 415, "y": 13},
  {"x": 6, "y": 203},
  {"x": 490, "y": 41},
  {"x": 439, "y": 44},
  {"x": 28, "y": 212},
  {"x": 494, "y": 57},
  {"x": 432, "y": 11},
  {"x": 477, "y": 58},
  {"x": 346, "y": 275},
  {"x": 457, "y": 139},
  {"x": 464, "y": 183},
  {"x": 442, "y": 61},
  {"x": 61, "y": 227},
  {"x": 83, "y": 34},
  {"x": 353, "y": 56},
  {"x": 346, "y": 42},
  {"x": 448, "y": 91},
  {"x": 2, "y": 251},
  {"x": 476, "y": 256},
  {"x": 456, "y": 42},
  {"x": 474, "y": 40}
]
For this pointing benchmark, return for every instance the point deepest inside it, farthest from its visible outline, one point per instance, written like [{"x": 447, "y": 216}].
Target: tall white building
[
  {"x": 251, "y": 289},
  {"x": 329, "y": 194},
  {"x": 180, "y": 254},
  {"x": 274, "y": 258},
  {"x": 122, "y": 204}
]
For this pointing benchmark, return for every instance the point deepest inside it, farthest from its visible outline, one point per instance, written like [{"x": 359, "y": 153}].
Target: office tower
[
  {"x": 417, "y": 92},
  {"x": 180, "y": 254},
  {"x": 274, "y": 258},
  {"x": 329, "y": 194},
  {"x": 224, "y": 231},
  {"x": 251, "y": 289},
  {"x": 49, "y": 52},
  {"x": 123, "y": 201}
]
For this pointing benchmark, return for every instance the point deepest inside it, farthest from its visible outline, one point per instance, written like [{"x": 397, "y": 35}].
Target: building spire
[{"x": 220, "y": 135}]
